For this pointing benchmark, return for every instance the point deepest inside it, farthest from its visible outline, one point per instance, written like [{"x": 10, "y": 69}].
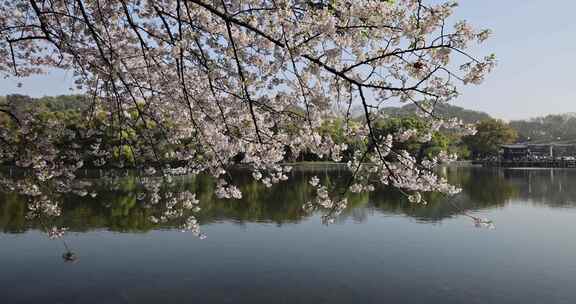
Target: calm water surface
[{"x": 266, "y": 249}]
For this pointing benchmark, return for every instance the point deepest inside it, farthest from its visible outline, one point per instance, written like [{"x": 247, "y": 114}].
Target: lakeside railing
[{"x": 529, "y": 163}]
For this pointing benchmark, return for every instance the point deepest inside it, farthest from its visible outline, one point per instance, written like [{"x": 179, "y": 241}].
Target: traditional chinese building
[
  {"x": 514, "y": 152},
  {"x": 536, "y": 151}
]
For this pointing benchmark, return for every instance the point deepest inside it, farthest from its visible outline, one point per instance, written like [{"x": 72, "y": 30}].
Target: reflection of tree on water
[
  {"x": 553, "y": 187},
  {"x": 485, "y": 188},
  {"x": 12, "y": 213},
  {"x": 119, "y": 205},
  {"x": 439, "y": 206}
]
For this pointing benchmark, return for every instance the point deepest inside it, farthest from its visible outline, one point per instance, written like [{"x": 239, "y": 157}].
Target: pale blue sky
[{"x": 533, "y": 40}]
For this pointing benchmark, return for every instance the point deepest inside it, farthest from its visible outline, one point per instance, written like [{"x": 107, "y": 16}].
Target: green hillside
[{"x": 442, "y": 110}]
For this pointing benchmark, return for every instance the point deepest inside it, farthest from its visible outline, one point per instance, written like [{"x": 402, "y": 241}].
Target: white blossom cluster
[
  {"x": 323, "y": 201},
  {"x": 56, "y": 233}
]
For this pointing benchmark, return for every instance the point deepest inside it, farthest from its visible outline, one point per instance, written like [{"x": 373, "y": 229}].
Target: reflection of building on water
[{"x": 553, "y": 187}]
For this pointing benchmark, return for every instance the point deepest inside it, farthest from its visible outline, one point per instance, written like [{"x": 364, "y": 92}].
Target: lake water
[{"x": 266, "y": 249}]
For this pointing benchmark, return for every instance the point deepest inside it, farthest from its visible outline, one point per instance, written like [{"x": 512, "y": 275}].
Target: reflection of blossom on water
[
  {"x": 43, "y": 206},
  {"x": 314, "y": 181},
  {"x": 415, "y": 198},
  {"x": 170, "y": 206},
  {"x": 160, "y": 198},
  {"x": 483, "y": 223},
  {"x": 225, "y": 190},
  {"x": 56, "y": 233},
  {"x": 192, "y": 225},
  {"x": 323, "y": 201}
]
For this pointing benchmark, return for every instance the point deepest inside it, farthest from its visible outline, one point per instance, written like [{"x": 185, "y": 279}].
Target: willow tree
[{"x": 215, "y": 79}]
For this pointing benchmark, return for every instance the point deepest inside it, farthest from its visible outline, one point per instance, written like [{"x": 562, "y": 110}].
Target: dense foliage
[
  {"x": 442, "y": 110},
  {"x": 70, "y": 110},
  {"x": 489, "y": 136}
]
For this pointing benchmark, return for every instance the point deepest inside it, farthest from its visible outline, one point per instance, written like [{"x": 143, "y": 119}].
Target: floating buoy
[{"x": 69, "y": 257}]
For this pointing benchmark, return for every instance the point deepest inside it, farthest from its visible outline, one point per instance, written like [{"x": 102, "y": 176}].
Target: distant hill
[
  {"x": 546, "y": 129},
  {"x": 17, "y": 104},
  {"x": 59, "y": 103},
  {"x": 442, "y": 110}
]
